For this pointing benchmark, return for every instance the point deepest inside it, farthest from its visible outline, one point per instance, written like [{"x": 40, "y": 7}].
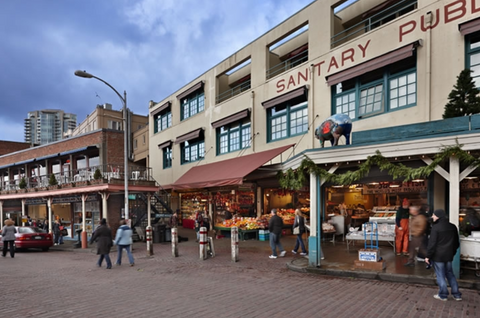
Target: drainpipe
[
  {"x": 252, "y": 120},
  {"x": 428, "y": 67},
  {"x": 311, "y": 109}
]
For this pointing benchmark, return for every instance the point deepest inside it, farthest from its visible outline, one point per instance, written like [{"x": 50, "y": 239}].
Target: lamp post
[{"x": 125, "y": 144}]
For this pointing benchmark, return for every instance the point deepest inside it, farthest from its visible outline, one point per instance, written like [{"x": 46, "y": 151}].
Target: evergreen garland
[{"x": 296, "y": 179}]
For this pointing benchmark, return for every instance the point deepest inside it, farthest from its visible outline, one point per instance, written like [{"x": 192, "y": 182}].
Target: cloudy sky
[{"x": 150, "y": 48}]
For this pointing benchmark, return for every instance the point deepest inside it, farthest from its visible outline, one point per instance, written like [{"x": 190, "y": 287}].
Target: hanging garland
[{"x": 295, "y": 179}]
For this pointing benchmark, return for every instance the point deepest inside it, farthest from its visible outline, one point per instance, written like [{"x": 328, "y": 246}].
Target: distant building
[{"x": 48, "y": 125}]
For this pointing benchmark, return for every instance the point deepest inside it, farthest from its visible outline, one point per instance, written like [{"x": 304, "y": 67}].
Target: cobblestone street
[{"x": 66, "y": 283}]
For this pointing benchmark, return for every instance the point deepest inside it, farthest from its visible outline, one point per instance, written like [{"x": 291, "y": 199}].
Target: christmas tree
[{"x": 463, "y": 99}]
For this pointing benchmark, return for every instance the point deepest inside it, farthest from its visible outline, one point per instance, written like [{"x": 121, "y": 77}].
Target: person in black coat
[
  {"x": 300, "y": 222},
  {"x": 104, "y": 239},
  {"x": 275, "y": 226},
  {"x": 442, "y": 247}
]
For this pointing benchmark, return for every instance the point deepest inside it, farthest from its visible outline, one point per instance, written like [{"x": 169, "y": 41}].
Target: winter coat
[
  {"x": 443, "y": 242},
  {"x": 8, "y": 231},
  {"x": 300, "y": 222},
  {"x": 418, "y": 225},
  {"x": 275, "y": 225},
  {"x": 124, "y": 235},
  {"x": 56, "y": 228},
  {"x": 103, "y": 237}
]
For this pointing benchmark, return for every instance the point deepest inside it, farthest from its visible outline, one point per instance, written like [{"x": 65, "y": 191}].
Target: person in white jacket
[{"x": 123, "y": 240}]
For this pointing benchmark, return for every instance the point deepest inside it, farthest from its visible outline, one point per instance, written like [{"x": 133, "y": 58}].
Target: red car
[{"x": 31, "y": 237}]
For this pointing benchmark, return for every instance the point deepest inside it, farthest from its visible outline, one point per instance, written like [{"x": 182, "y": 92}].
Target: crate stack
[{"x": 263, "y": 235}]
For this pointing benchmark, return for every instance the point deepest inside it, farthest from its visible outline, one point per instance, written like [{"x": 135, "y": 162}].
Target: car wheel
[{"x": 45, "y": 249}]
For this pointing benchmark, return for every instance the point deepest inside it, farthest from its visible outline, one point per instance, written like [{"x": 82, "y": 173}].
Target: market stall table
[{"x": 359, "y": 236}]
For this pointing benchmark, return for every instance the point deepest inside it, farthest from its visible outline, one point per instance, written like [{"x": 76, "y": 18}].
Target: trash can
[
  {"x": 78, "y": 244},
  {"x": 168, "y": 234},
  {"x": 159, "y": 233}
]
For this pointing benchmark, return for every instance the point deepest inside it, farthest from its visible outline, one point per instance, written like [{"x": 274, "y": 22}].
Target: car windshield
[{"x": 29, "y": 230}]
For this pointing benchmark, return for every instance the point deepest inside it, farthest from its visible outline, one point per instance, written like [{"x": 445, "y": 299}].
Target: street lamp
[{"x": 125, "y": 145}]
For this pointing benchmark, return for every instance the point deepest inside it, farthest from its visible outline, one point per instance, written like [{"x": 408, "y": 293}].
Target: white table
[{"x": 358, "y": 236}]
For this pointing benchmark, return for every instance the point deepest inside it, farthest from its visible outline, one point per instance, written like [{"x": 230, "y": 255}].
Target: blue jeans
[
  {"x": 444, "y": 270},
  {"x": 107, "y": 259},
  {"x": 60, "y": 239},
  {"x": 299, "y": 243},
  {"x": 119, "y": 257},
  {"x": 274, "y": 242}
]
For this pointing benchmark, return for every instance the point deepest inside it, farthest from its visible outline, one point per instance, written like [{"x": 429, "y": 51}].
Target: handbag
[{"x": 296, "y": 230}]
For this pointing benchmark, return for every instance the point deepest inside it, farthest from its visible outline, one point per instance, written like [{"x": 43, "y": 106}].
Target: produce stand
[
  {"x": 188, "y": 224},
  {"x": 241, "y": 233},
  {"x": 470, "y": 252}
]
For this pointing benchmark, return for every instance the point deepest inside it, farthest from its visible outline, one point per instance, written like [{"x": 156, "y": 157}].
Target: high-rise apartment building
[{"x": 48, "y": 125}]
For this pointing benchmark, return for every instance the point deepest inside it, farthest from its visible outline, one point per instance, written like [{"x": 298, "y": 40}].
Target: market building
[{"x": 219, "y": 141}]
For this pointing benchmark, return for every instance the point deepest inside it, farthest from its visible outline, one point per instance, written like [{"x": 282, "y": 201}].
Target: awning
[
  {"x": 190, "y": 90},
  {"x": 285, "y": 97},
  {"x": 165, "y": 144},
  {"x": 161, "y": 108},
  {"x": 231, "y": 119},
  {"x": 469, "y": 27},
  {"x": 72, "y": 151},
  {"x": 188, "y": 136},
  {"x": 226, "y": 172},
  {"x": 374, "y": 64}
]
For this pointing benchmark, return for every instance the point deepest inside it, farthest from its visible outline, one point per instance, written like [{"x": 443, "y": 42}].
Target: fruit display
[{"x": 243, "y": 223}]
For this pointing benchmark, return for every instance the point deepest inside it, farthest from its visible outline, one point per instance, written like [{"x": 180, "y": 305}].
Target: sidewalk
[{"x": 338, "y": 261}]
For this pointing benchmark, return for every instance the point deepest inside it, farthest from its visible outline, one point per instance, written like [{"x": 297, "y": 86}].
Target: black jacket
[
  {"x": 443, "y": 242},
  {"x": 275, "y": 225},
  {"x": 300, "y": 222}
]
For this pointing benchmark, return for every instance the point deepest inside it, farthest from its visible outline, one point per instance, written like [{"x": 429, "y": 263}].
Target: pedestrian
[
  {"x": 300, "y": 223},
  {"x": 228, "y": 214},
  {"x": 56, "y": 232},
  {"x": 174, "y": 220},
  {"x": 8, "y": 237},
  {"x": 418, "y": 226},
  {"x": 401, "y": 229},
  {"x": 275, "y": 226},
  {"x": 123, "y": 240},
  {"x": 442, "y": 247},
  {"x": 103, "y": 237},
  {"x": 198, "y": 223}
]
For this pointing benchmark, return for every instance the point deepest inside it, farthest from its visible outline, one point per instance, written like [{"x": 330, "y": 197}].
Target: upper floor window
[
  {"x": 192, "y": 150},
  {"x": 378, "y": 91},
  {"x": 135, "y": 144},
  {"x": 287, "y": 120},
  {"x": 192, "y": 104},
  {"x": 162, "y": 120},
  {"x": 233, "y": 137},
  {"x": 114, "y": 125},
  {"x": 167, "y": 157},
  {"x": 472, "y": 59}
]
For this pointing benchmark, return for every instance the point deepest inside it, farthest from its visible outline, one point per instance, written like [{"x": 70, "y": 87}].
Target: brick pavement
[{"x": 62, "y": 283}]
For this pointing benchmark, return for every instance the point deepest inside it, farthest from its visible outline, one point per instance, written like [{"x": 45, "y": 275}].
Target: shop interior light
[
  {"x": 394, "y": 185},
  {"x": 418, "y": 180},
  {"x": 373, "y": 183},
  {"x": 470, "y": 178},
  {"x": 338, "y": 186}
]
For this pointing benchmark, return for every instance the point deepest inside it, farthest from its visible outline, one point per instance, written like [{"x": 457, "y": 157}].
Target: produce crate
[
  {"x": 263, "y": 232},
  {"x": 264, "y": 237}
]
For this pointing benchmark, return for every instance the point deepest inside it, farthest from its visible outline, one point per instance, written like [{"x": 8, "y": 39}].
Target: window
[
  {"x": 162, "y": 120},
  {"x": 135, "y": 144},
  {"x": 115, "y": 125},
  {"x": 472, "y": 59},
  {"x": 144, "y": 139},
  {"x": 167, "y": 157},
  {"x": 192, "y": 150},
  {"x": 233, "y": 137},
  {"x": 192, "y": 104},
  {"x": 378, "y": 91},
  {"x": 287, "y": 120}
]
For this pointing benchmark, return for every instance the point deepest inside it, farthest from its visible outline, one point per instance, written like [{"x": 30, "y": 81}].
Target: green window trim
[
  {"x": 472, "y": 56},
  {"x": 233, "y": 137},
  {"x": 287, "y": 120},
  {"x": 192, "y": 104},
  {"x": 162, "y": 121},
  {"x": 167, "y": 157},
  {"x": 192, "y": 150}
]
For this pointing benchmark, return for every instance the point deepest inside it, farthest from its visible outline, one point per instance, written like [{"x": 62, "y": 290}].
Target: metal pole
[{"x": 125, "y": 145}]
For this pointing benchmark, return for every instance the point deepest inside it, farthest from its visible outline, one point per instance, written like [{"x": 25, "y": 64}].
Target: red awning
[{"x": 226, "y": 172}]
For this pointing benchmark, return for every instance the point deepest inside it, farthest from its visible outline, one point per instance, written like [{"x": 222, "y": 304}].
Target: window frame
[
  {"x": 167, "y": 160},
  {"x": 237, "y": 127},
  {"x": 286, "y": 110},
  {"x": 195, "y": 144},
  {"x": 469, "y": 52},
  {"x": 194, "y": 100},
  {"x": 158, "y": 120}
]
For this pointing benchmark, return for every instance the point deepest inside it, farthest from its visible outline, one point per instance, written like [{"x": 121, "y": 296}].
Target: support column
[
  {"x": 149, "y": 226},
  {"x": 1, "y": 215},
  {"x": 454, "y": 193},
  {"x": 105, "y": 204},
  {"x": 49, "y": 207},
  {"x": 313, "y": 243},
  {"x": 84, "y": 223},
  {"x": 23, "y": 211}
]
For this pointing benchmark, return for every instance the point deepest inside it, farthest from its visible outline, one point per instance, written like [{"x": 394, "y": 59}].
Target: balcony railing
[
  {"x": 83, "y": 176},
  {"x": 242, "y": 87},
  {"x": 288, "y": 64}
]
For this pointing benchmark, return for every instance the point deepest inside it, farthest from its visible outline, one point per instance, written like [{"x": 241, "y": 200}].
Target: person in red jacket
[{"x": 401, "y": 229}]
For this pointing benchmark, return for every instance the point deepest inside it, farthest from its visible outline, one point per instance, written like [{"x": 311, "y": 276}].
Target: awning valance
[
  {"x": 190, "y": 90},
  {"x": 469, "y": 27},
  {"x": 222, "y": 174},
  {"x": 231, "y": 119},
  {"x": 285, "y": 97},
  {"x": 374, "y": 64},
  {"x": 188, "y": 136},
  {"x": 161, "y": 108}
]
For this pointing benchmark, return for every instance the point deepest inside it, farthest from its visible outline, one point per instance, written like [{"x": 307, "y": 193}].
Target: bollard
[
  {"x": 203, "y": 243},
  {"x": 234, "y": 234},
  {"x": 212, "y": 247},
  {"x": 174, "y": 242},
  {"x": 148, "y": 237}
]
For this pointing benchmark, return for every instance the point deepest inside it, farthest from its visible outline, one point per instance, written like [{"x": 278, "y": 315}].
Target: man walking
[
  {"x": 418, "y": 225},
  {"x": 442, "y": 246},
  {"x": 275, "y": 227}
]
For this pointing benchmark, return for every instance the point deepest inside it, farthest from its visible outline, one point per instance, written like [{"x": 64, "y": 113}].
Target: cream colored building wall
[
  {"x": 141, "y": 151},
  {"x": 439, "y": 60}
]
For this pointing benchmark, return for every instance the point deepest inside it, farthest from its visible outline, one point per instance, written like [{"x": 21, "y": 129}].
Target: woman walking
[
  {"x": 8, "y": 237},
  {"x": 123, "y": 240},
  {"x": 300, "y": 222},
  {"x": 103, "y": 236}
]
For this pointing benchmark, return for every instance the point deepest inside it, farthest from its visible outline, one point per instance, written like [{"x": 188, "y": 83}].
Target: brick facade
[{"x": 7, "y": 147}]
